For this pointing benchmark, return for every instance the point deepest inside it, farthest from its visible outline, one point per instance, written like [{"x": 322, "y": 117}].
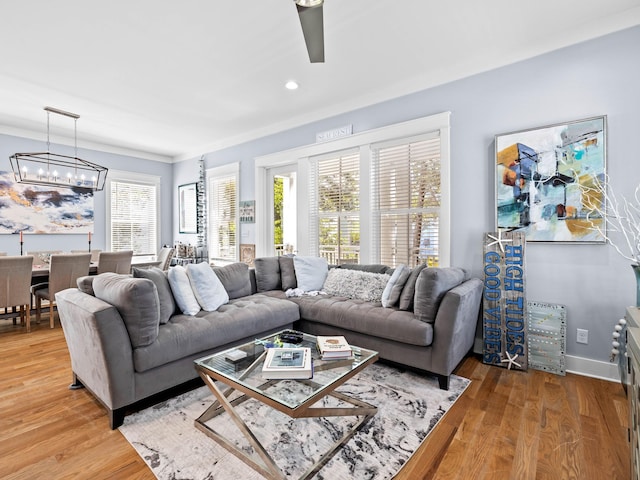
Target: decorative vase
[{"x": 636, "y": 271}]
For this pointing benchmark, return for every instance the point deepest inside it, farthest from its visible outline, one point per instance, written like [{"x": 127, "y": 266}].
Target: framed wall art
[
  {"x": 544, "y": 181},
  {"x": 188, "y": 208},
  {"x": 43, "y": 209}
]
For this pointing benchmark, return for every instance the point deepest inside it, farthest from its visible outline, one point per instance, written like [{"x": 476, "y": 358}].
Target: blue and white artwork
[
  {"x": 545, "y": 179},
  {"x": 40, "y": 209}
]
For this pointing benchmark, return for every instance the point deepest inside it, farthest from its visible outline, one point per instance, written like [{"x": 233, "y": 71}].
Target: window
[
  {"x": 336, "y": 186},
  {"x": 406, "y": 200},
  {"x": 132, "y": 219},
  {"x": 378, "y": 196},
  {"x": 223, "y": 208}
]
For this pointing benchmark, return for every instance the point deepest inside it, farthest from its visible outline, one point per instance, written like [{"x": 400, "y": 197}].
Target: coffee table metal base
[{"x": 269, "y": 468}]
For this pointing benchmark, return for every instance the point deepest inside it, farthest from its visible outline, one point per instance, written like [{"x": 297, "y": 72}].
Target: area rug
[{"x": 409, "y": 406}]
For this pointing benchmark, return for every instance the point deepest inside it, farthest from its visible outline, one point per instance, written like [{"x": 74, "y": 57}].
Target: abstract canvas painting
[
  {"x": 543, "y": 180},
  {"x": 40, "y": 209}
]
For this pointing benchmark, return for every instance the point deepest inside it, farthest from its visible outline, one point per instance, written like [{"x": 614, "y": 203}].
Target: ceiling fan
[{"x": 310, "y": 13}]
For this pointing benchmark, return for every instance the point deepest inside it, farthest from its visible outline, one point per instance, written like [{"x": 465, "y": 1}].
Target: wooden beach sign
[{"x": 504, "y": 304}]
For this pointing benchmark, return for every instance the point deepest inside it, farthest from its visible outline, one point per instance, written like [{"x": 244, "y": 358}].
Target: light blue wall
[
  {"x": 66, "y": 242},
  {"x": 599, "y": 77}
]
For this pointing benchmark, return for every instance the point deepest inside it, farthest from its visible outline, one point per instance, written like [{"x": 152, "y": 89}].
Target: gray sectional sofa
[{"x": 128, "y": 340}]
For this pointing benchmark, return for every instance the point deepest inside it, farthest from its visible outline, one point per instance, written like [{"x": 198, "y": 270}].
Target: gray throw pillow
[
  {"x": 235, "y": 279},
  {"x": 85, "y": 284},
  {"x": 165, "y": 295},
  {"x": 409, "y": 290},
  {"x": 267, "y": 274},
  {"x": 287, "y": 272},
  {"x": 431, "y": 286},
  {"x": 394, "y": 286},
  {"x": 136, "y": 299}
]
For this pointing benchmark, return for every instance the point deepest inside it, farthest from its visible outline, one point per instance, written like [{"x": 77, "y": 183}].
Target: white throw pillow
[
  {"x": 311, "y": 272},
  {"x": 206, "y": 286},
  {"x": 182, "y": 291},
  {"x": 392, "y": 291}
]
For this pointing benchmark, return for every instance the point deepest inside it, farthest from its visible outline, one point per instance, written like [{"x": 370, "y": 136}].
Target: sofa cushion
[
  {"x": 207, "y": 287},
  {"x": 355, "y": 284},
  {"x": 165, "y": 295},
  {"x": 287, "y": 272},
  {"x": 409, "y": 289},
  {"x": 136, "y": 299},
  {"x": 267, "y": 274},
  {"x": 235, "y": 279},
  {"x": 241, "y": 319},
  {"x": 365, "y": 317},
  {"x": 371, "y": 268},
  {"x": 311, "y": 272},
  {"x": 393, "y": 289},
  {"x": 182, "y": 291},
  {"x": 432, "y": 284}
]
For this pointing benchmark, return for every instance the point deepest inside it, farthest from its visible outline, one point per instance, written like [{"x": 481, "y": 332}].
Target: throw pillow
[
  {"x": 365, "y": 286},
  {"x": 206, "y": 286},
  {"x": 235, "y": 279},
  {"x": 182, "y": 291},
  {"x": 431, "y": 286},
  {"x": 267, "y": 274},
  {"x": 393, "y": 289},
  {"x": 409, "y": 290},
  {"x": 136, "y": 299},
  {"x": 311, "y": 272},
  {"x": 287, "y": 272},
  {"x": 160, "y": 280}
]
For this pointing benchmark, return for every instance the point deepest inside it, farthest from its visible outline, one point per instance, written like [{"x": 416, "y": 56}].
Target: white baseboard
[{"x": 592, "y": 368}]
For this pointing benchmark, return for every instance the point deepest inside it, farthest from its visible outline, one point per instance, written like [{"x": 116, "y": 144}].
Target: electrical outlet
[{"x": 582, "y": 336}]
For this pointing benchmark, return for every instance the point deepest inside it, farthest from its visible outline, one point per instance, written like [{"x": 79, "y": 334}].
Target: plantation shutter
[
  {"x": 336, "y": 213},
  {"x": 134, "y": 217},
  {"x": 223, "y": 212},
  {"x": 406, "y": 200}
]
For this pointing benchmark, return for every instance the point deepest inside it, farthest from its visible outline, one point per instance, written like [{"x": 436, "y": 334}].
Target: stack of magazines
[
  {"x": 283, "y": 363},
  {"x": 333, "y": 348}
]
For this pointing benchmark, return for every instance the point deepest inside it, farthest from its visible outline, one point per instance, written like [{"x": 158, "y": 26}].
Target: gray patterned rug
[{"x": 409, "y": 406}]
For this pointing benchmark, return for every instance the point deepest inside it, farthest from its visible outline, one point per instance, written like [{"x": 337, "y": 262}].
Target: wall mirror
[{"x": 188, "y": 207}]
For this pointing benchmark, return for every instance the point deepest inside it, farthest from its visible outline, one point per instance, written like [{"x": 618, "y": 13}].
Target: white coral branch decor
[{"x": 621, "y": 226}]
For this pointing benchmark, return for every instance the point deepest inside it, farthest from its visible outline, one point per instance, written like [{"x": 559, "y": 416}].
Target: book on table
[
  {"x": 333, "y": 347},
  {"x": 284, "y": 363}
]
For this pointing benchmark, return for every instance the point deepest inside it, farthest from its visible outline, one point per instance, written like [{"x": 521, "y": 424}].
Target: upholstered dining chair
[
  {"x": 164, "y": 257},
  {"x": 64, "y": 270},
  {"x": 15, "y": 283},
  {"x": 39, "y": 255},
  {"x": 117, "y": 262},
  {"x": 95, "y": 253}
]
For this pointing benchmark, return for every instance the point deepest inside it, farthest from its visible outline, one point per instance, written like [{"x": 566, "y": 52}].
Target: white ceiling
[{"x": 171, "y": 80}]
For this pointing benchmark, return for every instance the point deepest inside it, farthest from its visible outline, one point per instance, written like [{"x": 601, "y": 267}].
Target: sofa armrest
[
  {"x": 99, "y": 346},
  {"x": 455, "y": 326}
]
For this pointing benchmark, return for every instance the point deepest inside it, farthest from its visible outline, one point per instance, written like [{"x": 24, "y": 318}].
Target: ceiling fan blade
[{"x": 313, "y": 30}]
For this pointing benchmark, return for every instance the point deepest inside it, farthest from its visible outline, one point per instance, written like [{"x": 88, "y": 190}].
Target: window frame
[
  {"x": 362, "y": 140},
  {"x": 122, "y": 176}
]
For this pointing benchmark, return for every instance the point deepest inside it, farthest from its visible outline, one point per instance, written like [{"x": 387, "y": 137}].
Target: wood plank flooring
[{"x": 507, "y": 425}]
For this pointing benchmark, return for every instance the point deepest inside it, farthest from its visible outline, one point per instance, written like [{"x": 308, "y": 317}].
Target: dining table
[{"x": 41, "y": 271}]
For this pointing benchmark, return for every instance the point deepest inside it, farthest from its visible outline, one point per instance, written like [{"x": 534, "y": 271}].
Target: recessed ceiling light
[{"x": 291, "y": 85}]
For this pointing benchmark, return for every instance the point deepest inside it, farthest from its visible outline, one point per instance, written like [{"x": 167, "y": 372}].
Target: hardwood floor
[{"x": 507, "y": 425}]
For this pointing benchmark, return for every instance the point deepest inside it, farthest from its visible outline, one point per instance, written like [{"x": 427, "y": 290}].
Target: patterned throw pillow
[{"x": 355, "y": 284}]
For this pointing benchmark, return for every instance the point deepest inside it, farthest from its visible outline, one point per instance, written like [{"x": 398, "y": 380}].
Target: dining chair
[
  {"x": 117, "y": 262},
  {"x": 164, "y": 257},
  {"x": 40, "y": 255},
  {"x": 64, "y": 270},
  {"x": 15, "y": 284},
  {"x": 95, "y": 253}
]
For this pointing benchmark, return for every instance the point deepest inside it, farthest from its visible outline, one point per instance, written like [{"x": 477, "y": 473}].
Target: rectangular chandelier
[{"x": 57, "y": 170}]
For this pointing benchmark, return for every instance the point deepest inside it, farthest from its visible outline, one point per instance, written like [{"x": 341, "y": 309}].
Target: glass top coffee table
[{"x": 244, "y": 375}]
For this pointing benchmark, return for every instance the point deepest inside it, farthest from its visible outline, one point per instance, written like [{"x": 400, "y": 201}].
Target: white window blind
[
  {"x": 335, "y": 224},
  {"x": 134, "y": 217},
  {"x": 223, "y": 210},
  {"x": 406, "y": 199}
]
